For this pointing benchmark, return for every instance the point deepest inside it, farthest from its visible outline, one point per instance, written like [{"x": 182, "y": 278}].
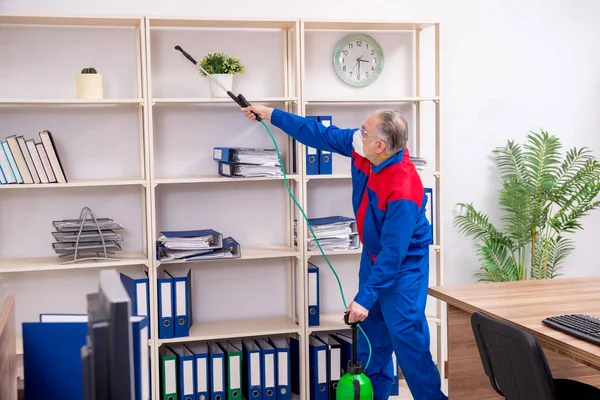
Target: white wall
[{"x": 508, "y": 67}]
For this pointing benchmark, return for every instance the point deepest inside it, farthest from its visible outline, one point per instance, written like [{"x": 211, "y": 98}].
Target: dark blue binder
[
  {"x": 325, "y": 156},
  {"x": 312, "y": 155}
]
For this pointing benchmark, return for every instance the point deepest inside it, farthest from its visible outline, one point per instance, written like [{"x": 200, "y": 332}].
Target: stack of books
[
  {"x": 205, "y": 244},
  {"x": 29, "y": 161},
  {"x": 246, "y": 162},
  {"x": 71, "y": 242},
  {"x": 335, "y": 233}
]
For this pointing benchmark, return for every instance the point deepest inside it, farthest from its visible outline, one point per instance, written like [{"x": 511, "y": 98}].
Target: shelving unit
[
  {"x": 102, "y": 145},
  {"x": 164, "y": 178}
]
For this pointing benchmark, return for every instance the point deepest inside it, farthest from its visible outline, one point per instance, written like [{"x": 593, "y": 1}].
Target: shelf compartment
[
  {"x": 335, "y": 322},
  {"x": 70, "y": 102},
  {"x": 238, "y": 328},
  {"x": 55, "y": 263},
  {"x": 249, "y": 253},
  {"x": 370, "y": 101},
  {"x": 76, "y": 183},
  {"x": 66, "y": 21},
  {"x": 227, "y": 100},
  {"x": 220, "y": 179},
  {"x": 366, "y": 25}
]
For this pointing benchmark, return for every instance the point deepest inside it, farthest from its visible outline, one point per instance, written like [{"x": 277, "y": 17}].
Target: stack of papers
[
  {"x": 247, "y": 162},
  {"x": 195, "y": 245},
  {"x": 420, "y": 163},
  {"x": 335, "y": 233},
  {"x": 89, "y": 242}
]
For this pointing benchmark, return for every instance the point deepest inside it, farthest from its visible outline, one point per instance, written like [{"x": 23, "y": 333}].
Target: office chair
[{"x": 516, "y": 365}]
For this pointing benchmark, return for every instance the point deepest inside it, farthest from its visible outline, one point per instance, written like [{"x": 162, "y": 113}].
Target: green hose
[{"x": 314, "y": 236}]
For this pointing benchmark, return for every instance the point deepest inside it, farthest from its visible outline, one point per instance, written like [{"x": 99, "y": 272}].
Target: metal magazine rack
[{"x": 87, "y": 238}]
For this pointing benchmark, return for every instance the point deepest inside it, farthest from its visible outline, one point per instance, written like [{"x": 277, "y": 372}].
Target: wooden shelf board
[
  {"x": 69, "y": 102},
  {"x": 334, "y": 252},
  {"x": 55, "y": 263},
  {"x": 241, "y": 23},
  {"x": 349, "y": 176},
  {"x": 70, "y": 20},
  {"x": 236, "y": 329},
  {"x": 366, "y": 25},
  {"x": 249, "y": 253},
  {"x": 227, "y": 100},
  {"x": 310, "y": 102},
  {"x": 220, "y": 179},
  {"x": 76, "y": 183},
  {"x": 335, "y": 322}
]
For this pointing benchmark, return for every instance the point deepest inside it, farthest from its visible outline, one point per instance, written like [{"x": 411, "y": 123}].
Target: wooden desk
[{"x": 525, "y": 304}]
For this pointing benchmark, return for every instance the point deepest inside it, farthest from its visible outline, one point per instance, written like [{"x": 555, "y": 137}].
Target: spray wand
[{"x": 355, "y": 377}]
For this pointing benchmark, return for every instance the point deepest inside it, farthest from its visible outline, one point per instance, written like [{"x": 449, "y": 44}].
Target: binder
[
  {"x": 246, "y": 156},
  {"x": 334, "y": 362},
  {"x": 252, "y": 385},
  {"x": 312, "y": 155},
  {"x": 246, "y": 171},
  {"x": 325, "y": 156},
  {"x": 395, "y": 391},
  {"x": 314, "y": 318},
  {"x": 319, "y": 388},
  {"x": 168, "y": 374},
  {"x": 429, "y": 208},
  {"x": 233, "y": 368},
  {"x": 295, "y": 366},
  {"x": 282, "y": 351},
  {"x": 346, "y": 353},
  {"x": 202, "y": 378},
  {"x": 182, "y": 310},
  {"x": 52, "y": 359},
  {"x": 203, "y": 239},
  {"x": 186, "y": 371},
  {"x": 166, "y": 329},
  {"x": 138, "y": 289},
  {"x": 141, "y": 358},
  {"x": 216, "y": 371},
  {"x": 268, "y": 369}
]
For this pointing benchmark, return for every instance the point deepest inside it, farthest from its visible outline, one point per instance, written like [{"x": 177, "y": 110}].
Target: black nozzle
[{"x": 186, "y": 54}]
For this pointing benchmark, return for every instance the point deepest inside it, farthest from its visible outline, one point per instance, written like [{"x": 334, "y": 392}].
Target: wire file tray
[{"x": 87, "y": 238}]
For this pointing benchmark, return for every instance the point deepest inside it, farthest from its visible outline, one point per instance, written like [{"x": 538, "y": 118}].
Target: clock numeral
[
  {"x": 358, "y": 77},
  {"x": 351, "y": 74},
  {"x": 350, "y": 45},
  {"x": 372, "y": 52},
  {"x": 367, "y": 45},
  {"x": 359, "y": 43},
  {"x": 372, "y": 68},
  {"x": 367, "y": 74},
  {"x": 344, "y": 68},
  {"x": 345, "y": 52},
  {"x": 375, "y": 60}
]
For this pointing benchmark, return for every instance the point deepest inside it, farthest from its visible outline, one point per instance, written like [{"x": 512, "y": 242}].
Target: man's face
[{"x": 373, "y": 147}]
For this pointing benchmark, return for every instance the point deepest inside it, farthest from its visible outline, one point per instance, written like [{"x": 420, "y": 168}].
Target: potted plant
[
  {"x": 543, "y": 198},
  {"x": 89, "y": 84},
  {"x": 223, "y": 68}
]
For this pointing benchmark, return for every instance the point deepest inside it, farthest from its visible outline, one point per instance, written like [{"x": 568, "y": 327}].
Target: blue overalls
[{"x": 389, "y": 204}]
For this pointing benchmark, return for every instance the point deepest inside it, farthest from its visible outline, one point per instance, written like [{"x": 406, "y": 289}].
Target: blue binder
[
  {"x": 52, "y": 359},
  {"x": 186, "y": 368},
  {"x": 140, "y": 331},
  {"x": 325, "y": 156},
  {"x": 314, "y": 318},
  {"x": 218, "y": 380},
  {"x": 139, "y": 293},
  {"x": 166, "y": 328},
  {"x": 319, "y": 385},
  {"x": 268, "y": 363},
  {"x": 251, "y": 371},
  {"x": 312, "y": 155},
  {"x": 182, "y": 303},
  {"x": 429, "y": 209},
  {"x": 282, "y": 349},
  {"x": 295, "y": 366},
  {"x": 201, "y": 356}
]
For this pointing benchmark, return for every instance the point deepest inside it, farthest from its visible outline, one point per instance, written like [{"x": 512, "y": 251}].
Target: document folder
[
  {"x": 217, "y": 371},
  {"x": 252, "y": 388},
  {"x": 246, "y": 155},
  {"x": 325, "y": 156},
  {"x": 186, "y": 371},
  {"x": 233, "y": 368},
  {"x": 314, "y": 318},
  {"x": 205, "y": 239},
  {"x": 140, "y": 331},
  {"x": 312, "y": 155},
  {"x": 168, "y": 374},
  {"x": 282, "y": 350},
  {"x": 268, "y": 369},
  {"x": 334, "y": 362},
  {"x": 202, "y": 368},
  {"x": 137, "y": 287},
  {"x": 166, "y": 328},
  {"x": 319, "y": 388},
  {"x": 295, "y": 366},
  {"x": 182, "y": 295}
]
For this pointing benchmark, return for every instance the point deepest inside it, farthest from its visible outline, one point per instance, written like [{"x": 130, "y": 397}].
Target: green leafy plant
[
  {"x": 543, "y": 197},
  {"x": 89, "y": 71},
  {"x": 221, "y": 63}
]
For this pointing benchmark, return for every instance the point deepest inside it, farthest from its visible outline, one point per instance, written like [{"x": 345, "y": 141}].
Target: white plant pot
[
  {"x": 89, "y": 86},
  {"x": 225, "y": 80}
]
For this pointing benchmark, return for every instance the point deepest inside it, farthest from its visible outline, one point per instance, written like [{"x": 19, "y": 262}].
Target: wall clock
[{"x": 358, "y": 60}]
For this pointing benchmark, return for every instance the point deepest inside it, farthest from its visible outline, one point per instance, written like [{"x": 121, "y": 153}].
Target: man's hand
[
  {"x": 357, "y": 312},
  {"x": 262, "y": 111}
]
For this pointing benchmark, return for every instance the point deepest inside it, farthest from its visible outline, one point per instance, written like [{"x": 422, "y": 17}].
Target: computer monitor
[{"x": 107, "y": 357}]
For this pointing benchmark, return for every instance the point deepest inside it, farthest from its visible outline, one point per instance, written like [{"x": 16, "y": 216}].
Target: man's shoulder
[{"x": 401, "y": 182}]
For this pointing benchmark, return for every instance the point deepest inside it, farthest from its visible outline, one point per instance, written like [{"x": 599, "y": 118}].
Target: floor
[{"x": 405, "y": 392}]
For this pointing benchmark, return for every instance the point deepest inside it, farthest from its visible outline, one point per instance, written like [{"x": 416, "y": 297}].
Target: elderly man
[{"x": 389, "y": 203}]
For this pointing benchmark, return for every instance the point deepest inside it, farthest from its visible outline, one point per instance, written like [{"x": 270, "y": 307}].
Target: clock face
[{"x": 358, "y": 60}]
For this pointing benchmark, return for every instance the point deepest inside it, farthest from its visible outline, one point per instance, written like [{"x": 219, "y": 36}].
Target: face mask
[{"x": 357, "y": 143}]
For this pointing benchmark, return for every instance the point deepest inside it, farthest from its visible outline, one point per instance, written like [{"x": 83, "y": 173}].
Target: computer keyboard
[{"x": 581, "y": 326}]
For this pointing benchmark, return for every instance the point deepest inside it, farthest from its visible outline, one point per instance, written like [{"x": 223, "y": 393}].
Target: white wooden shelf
[
  {"x": 237, "y": 328},
  {"x": 55, "y": 263},
  {"x": 367, "y": 100},
  {"x": 422, "y": 172},
  {"x": 70, "y": 102},
  {"x": 317, "y": 252},
  {"x": 248, "y": 253},
  {"x": 335, "y": 322},
  {"x": 81, "y": 21},
  {"x": 226, "y": 100},
  {"x": 76, "y": 184},
  {"x": 216, "y": 23},
  {"x": 220, "y": 179}
]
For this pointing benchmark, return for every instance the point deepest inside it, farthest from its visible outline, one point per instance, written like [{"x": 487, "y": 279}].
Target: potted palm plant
[
  {"x": 223, "y": 68},
  {"x": 543, "y": 198}
]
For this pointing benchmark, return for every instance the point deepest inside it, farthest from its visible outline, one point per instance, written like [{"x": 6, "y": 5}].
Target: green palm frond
[{"x": 543, "y": 197}]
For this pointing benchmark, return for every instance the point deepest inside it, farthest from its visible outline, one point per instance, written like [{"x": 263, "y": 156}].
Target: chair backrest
[{"x": 512, "y": 359}]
